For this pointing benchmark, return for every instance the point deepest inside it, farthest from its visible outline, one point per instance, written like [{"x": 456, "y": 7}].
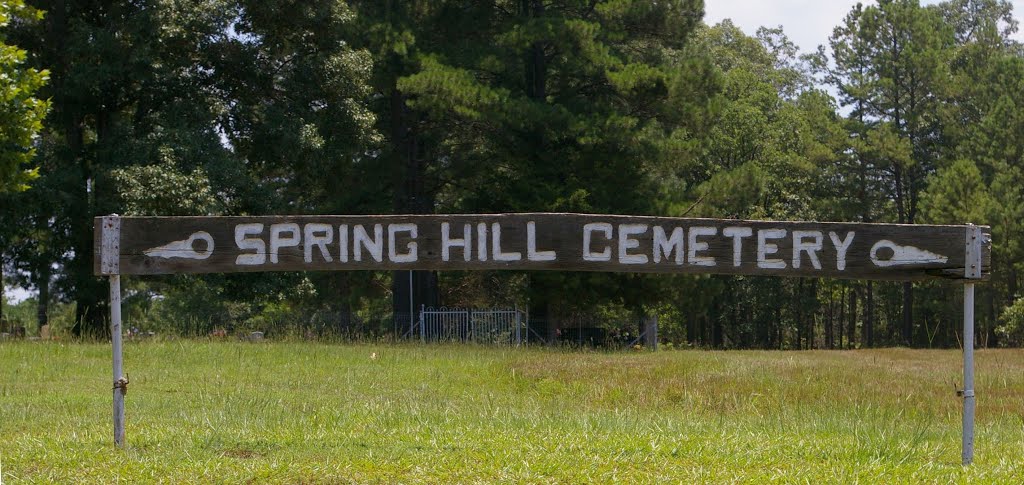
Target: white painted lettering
[
  {"x": 588, "y": 229},
  {"x": 698, "y": 246},
  {"x": 278, "y": 239},
  {"x": 481, "y": 241},
  {"x": 319, "y": 235},
  {"x": 496, "y": 252},
  {"x": 531, "y": 245},
  {"x": 667, "y": 245},
  {"x": 411, "y": 255},
  {"x": 243, "y": 242},
  {"x": 765, "y": 248},
  {"x": 343, "y": 243},
  {"x": 626, "y": 243},
  {"x": 800, "y": 245},
  {"x": 737, "y": 234},
  {"x": 841, "y": 247},
  {"x": 361, "y": 239},
  {"x": 447, "y": 243}
]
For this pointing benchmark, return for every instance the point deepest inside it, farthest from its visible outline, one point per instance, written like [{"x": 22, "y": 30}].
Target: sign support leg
[
  {"x": 972, "y": 271},
  {"x": 967, "y": 448},
  {"x": 120, "y": 383},
  {"x": 110, "y": 266}
]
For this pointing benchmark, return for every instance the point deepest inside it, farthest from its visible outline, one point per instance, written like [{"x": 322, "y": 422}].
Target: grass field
[{"x": 308, "y": 412}]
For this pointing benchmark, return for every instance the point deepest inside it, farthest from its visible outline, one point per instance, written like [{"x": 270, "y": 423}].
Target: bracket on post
[
  {"x": 972, "y": 262},
  {"x": 110, "y": 245}
]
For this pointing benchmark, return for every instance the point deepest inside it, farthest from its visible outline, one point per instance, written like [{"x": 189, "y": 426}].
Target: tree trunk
[
  {"x": 908, "y": 314},
  {"x": 3, "y": 294},
  {"x": 342, "y": 305},
  {"x": 1011, "y": 285},
  {"x": 641, "y": 322},
  {"x": 704, "y": 334},
  {"x": 412, "y": 290},
  {"x": 991, "y": 337},
  {"x": 42, "y": 306},
  {"x": 691, "y": 329},
  {"x": 536, "y": 64},
  {"x": 779, "y": 340},
  {"x": 717, "y": 339},
  {"x": 813, "y": 321},
  {"x": 411, "y": 197},
  {"x": 91, "y": 297},
  {"x": 799, "y": 314},
  {"x": 852, "y": 319},
  {"x": 842, "y": 314},
  {"x": 89, "y": 293},
  {"x": 869, "y": 315},
  {"x": 829, "y": 343}
]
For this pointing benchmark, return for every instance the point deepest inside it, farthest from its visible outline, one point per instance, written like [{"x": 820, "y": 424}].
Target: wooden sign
[{"x": 543, "y": 241}]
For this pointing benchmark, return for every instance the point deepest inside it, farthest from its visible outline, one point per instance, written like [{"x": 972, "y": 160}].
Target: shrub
[{"x": 1011, "y": 325}]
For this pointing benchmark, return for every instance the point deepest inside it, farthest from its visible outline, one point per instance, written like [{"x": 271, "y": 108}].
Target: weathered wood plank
[{"x": 542, "y": 241}]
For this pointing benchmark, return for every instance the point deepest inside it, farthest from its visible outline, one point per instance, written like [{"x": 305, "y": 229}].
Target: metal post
[
  {"x": 120, "y": 382},
  {"x": 967, "y": 449},
  {"x": 423, "y": 324},
  {"x": 110, "y": 265},
  {"x": 972, "y": 271}
]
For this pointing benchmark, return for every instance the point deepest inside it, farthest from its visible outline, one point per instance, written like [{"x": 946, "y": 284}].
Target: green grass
[{"x": 309, "y": 412}]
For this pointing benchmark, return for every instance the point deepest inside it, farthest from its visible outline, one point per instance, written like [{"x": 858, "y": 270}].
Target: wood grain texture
[{"x": 164, "y": 245}]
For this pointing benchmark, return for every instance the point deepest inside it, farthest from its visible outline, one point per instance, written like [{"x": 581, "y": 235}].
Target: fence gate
[{"x": 496, "y": 326}]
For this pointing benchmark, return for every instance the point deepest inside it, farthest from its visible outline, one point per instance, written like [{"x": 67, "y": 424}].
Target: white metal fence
[{"x": 495, "y": 326}]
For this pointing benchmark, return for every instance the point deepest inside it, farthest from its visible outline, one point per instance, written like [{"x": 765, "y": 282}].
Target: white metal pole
[
  {"x": 972, "y": 271},
  {"x": 120, "y": 383},
  {"x": 110, "y": 257},
  {"x": 967, "y": 449}
]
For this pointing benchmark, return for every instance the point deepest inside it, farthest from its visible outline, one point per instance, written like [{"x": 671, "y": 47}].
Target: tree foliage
[
  {"x": 909, "y": 114},
  {"x": 21, "y": 109}
]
